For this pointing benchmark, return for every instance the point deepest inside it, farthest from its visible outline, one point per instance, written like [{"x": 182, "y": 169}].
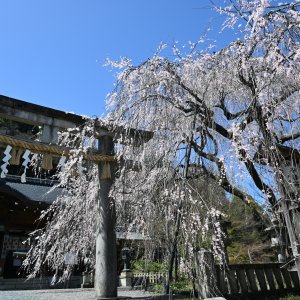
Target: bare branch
[{"x": 289, "y": 137}]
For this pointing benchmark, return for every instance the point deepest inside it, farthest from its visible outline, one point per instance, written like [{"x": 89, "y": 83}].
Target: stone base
[
  {"x": 126, "y": 278},
  {"x": 87, "y": 280},
  {"x": 86, "y": 286},
  {"x": 114, "y": 298}
]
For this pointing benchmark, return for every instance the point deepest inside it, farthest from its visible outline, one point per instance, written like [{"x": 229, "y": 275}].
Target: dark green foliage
[
  {"x": 177, "y": 287},
  {"x": 182, "y": 285},
  {"x": 142, "y": 265},
  {"x": 247, "y": 240}
]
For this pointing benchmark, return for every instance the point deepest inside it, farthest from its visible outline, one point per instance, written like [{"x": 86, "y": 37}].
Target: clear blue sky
[{"x": 52, "y": 51}]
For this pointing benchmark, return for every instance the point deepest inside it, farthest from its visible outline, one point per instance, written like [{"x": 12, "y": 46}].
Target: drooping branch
[
  {"x": 228, "y": 187},
  {"x": 223, "y": 181},
  {"x": 249, "y": 166},
  {"x": 256, "y": 177},
  {"x": 227, "y": 113},
  {"x": 289, "y": 137}
]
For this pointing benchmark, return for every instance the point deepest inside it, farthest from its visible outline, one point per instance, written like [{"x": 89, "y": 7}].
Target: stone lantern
[{"x": 126, "y": 274}]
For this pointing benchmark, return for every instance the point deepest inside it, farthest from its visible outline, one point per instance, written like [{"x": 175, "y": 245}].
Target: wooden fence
[
  {"x": 143, "y": 280},
  {"x": 151, "y": 277},
  {"x": 240, "y": 281},
  {"x": 255, "y": 279}
]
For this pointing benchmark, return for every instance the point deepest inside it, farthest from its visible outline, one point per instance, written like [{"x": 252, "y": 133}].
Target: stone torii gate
[{"x": 52, "y": 121}]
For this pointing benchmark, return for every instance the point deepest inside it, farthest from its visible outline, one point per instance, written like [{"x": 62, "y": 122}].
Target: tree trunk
[
  {"x": 176, "y": 277},
  {"x": 173, "y": 250}
]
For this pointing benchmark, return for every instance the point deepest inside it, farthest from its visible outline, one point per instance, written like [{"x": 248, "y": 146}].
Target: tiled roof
[{"x": 38, "y": 193}]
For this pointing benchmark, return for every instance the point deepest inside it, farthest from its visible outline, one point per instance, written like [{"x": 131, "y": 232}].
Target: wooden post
[{"x": 106, "y": 252}]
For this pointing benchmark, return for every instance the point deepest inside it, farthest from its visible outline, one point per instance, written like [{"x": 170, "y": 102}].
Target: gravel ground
[{"x": 70, "y": 294}]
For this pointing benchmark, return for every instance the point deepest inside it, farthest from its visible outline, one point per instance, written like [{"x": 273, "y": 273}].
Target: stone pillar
[
  {"x": 278, "y": 235},
  {"x": 294, "y": 242},
  {"x": 87, "y": 280},
  {"x": 206, "y": 274},
  {"x": 49, "y": 134},
  {"x": 106, "y": 250},
  {"x": 126, "y": 274}
]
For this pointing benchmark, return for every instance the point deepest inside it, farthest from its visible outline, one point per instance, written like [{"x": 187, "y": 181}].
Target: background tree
[{"x": 248, "y": 242}]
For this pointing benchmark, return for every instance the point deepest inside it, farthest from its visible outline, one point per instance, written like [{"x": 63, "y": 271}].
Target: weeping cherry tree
[{"x": 231, "y": 115}]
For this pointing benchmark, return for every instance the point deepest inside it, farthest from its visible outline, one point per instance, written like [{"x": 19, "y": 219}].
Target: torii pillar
[{"x": 106, "y": 253}]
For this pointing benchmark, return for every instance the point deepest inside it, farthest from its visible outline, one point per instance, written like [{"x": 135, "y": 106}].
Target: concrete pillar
[{"x": 106, "y": 250}]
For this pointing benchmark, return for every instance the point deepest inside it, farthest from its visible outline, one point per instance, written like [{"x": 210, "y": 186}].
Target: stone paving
[{"x": 73, "y": 294}]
